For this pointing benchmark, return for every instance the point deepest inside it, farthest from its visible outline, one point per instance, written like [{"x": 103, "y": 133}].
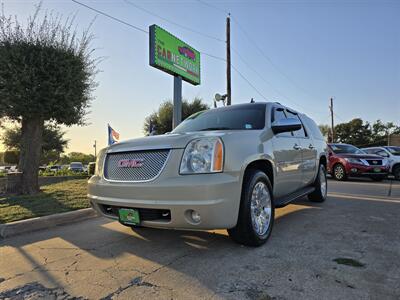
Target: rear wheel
[
  {"x": 321, "y": 186},
  {"x": 339, "y": 172},
  {"x": 257, "y": 211}
]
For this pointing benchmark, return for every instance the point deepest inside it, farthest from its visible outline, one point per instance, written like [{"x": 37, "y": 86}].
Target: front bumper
[
  {"x": 361, "y": 170},
  {"x": 216, "y": 197}
]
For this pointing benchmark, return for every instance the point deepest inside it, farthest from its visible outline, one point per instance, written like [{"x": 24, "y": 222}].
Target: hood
[
  {"x": 163, "y": 141},
  {"x": 359, "y": 156}
]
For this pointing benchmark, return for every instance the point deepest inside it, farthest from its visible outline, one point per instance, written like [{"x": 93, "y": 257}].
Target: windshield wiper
[{"x": 215, "y": 128}]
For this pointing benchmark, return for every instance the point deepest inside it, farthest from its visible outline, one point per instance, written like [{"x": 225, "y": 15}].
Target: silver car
[{"x": 225, "y": 168}]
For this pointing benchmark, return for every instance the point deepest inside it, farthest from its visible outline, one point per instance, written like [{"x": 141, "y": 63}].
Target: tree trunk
[{"x": 31, "y": 146}]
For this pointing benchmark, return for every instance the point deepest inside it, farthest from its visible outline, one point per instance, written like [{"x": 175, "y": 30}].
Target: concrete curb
[{"x": 34, "y": 224}]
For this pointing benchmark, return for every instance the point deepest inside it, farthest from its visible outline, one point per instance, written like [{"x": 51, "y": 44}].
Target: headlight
[
  {"x": 356, "y": 161},
  {"x": 99, "y": 162},
  {"x": 203, "y": 155}
]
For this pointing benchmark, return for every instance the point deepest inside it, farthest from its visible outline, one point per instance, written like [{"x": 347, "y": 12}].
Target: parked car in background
[
  {"x": 54, "y": 168},
  {"x": 76, "y": 167},
  {"x": 349, "y": 161},
  {"x": 224, "y": 168},
  {"x": 392, "y": 154}
]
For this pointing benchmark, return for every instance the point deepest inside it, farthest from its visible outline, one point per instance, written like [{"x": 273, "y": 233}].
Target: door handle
[
  {"x": 296, "y": 147},
  {"x": 311, "y": 146}
]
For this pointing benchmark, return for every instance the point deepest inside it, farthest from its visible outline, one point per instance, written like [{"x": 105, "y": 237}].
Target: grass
[
  {"x": 349, "y": 262},
  {"x": 53, "y": 198}
]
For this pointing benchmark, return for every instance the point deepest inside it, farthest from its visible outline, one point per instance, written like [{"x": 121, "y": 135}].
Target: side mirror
[{"x": 286, "y": 125}]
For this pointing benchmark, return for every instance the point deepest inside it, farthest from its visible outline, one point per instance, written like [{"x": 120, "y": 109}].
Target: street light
[{"x": 218, "y": 98}]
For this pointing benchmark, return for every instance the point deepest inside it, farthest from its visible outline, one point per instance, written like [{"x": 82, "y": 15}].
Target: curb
[{"x": 34, "y": 224}]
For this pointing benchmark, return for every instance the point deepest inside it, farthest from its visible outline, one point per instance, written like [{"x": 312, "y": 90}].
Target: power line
[
  {"x": 249, "y": 83},
  {"x": 174, "y": 23},
  {"x": 144, "y": 31},
  {"x": 213, "y": 6},
  {"x": 111, "y": 17}
]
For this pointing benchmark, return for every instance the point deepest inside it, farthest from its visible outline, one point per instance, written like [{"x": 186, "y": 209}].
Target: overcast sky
[{"x": 299, "y": 53}]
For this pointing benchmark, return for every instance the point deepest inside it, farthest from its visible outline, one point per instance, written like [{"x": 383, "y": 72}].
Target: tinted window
[
  {"x": 394, "y": 150},
  {"x": 279, "y": 114},
  {"x": 298, "y": 133},
  {"x": 239, "y": 117},
  {"x": 312, "y": 128}
]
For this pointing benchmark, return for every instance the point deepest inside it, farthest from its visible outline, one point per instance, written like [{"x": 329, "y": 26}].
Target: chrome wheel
[
  {"x": 260, "y": 208},
  {"x": 339, "y": 172},
  {"x": 323, "y": 180}
]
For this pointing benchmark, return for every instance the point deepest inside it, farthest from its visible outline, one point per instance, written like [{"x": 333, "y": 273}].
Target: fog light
[
  {"x": 354, "y": 170},
  {"x": 195, "y": 216}
]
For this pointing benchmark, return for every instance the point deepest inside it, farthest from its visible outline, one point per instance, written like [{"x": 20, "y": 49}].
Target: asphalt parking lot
[{"x": 345, "y": 248}]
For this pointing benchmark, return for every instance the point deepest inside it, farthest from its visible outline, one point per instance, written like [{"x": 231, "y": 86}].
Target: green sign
[{"x": 170, "y": 54}]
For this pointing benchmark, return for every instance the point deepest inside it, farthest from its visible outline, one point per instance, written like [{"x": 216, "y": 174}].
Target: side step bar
[{"x": 281, "y": 202}]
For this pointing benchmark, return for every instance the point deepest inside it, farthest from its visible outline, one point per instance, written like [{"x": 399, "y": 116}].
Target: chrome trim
[{"x": 136, "y": 181}]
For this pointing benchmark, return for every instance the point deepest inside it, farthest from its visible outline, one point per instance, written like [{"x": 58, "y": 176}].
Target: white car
[{"x": 392, "y": 153}]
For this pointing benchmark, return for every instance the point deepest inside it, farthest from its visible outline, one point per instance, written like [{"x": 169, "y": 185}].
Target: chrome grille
[{"x": 151, "y": 164}]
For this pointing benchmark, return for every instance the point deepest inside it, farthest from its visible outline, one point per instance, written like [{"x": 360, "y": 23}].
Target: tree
[
  {"x": 162, "y": 119},
  {"x": 53, "y": 142},
  {"x": 78, "y": 157},
  {"x": 355, "y": 132},
  {"x": 46, "y": 74},
  {"x": 11, "y": 157},
  {"x": 363, "y": 134}
]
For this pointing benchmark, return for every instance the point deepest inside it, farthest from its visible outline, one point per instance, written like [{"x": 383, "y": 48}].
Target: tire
[
  {"x": 396, "y": 172},
  {"x": 339, "y": 172},
  {"x": 256, "y": 190},
  {"x": 321, "y": 186}
]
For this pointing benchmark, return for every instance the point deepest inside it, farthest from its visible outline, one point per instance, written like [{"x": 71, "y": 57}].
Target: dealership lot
[{"x": 347, "y": 247}]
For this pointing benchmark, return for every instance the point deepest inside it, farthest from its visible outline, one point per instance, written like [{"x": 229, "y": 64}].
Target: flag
[{"x": 113, "y": 136}]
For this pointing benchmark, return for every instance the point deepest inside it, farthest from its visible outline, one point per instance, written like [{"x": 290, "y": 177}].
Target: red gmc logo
[{"x": 130, "y": 163}]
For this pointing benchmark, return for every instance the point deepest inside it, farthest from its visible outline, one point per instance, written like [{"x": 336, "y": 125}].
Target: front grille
[
  {"x": 374, "y": 162},
  {"x": 145, "y": 214},
  {"x": 151, "y": 162}
]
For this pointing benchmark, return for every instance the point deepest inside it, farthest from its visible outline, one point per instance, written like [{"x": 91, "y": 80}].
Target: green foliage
[
  {"x": 77, "y": 157},
  {"x": 53, "y": 143},
  {"x": 62, "y": 172},
  {"x": 162, "y": 119},
  {"x": 363, "y": 134},
  {"x": 11, "y": 157},
  {"x": 325, "y": 130},
  {"x": 46, "y": 70}
]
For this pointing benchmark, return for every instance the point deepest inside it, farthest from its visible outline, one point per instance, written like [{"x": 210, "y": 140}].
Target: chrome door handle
[
  {"x": 311, "y": 146},
  {"x": 296, "y": 147}
]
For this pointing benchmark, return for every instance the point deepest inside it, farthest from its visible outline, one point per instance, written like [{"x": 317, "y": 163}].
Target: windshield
[
  {"x": 345, "y": 149},
  {"x": 239, "y": 117},
  {"x": 394, "y": 150}
]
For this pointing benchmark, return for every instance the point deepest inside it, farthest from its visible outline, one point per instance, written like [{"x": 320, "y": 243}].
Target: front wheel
[
  {"x": 257, "y": 211},
  {"x": 320, "y": 185},
  {"x": 396, "y": 172},
  {"x": 339, "y": 172}
]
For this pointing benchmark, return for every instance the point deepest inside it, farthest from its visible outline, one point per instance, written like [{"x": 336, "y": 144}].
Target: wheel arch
[{"x": 263, "y": 165}]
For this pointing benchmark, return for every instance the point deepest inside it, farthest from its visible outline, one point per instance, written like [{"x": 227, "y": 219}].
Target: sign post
[{"x": 175, "y": 57}]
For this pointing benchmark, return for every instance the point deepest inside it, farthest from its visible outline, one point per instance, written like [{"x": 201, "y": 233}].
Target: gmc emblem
[{"x": 130, "y": 163}]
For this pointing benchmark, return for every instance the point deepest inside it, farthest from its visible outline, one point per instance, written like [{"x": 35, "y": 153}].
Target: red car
[{"x": 348, "y": 161}]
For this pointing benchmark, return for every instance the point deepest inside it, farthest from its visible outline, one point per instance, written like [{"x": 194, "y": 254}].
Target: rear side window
[
  {"x": 298, "y": 133},
  {"x": 279, "y": 114},
  {"x": 313, "y": 128}
]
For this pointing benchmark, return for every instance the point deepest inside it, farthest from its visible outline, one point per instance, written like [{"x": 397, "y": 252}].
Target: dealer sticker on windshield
[{"x": 129, "y": 216}]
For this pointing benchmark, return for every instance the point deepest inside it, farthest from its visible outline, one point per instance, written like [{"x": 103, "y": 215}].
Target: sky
[{"x": 299, "y": 53}]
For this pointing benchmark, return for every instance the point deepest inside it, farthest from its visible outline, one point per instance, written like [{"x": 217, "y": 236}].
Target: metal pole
[
  {"x": 228, "y": 60},
  {"x": 177, "y": 113},
  {"x": 332, "y": 122}
]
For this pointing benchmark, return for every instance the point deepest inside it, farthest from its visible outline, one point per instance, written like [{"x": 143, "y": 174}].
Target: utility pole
[
  {"x": 228, "y": 59},
  {"x": 332, "y": 122},
  {"x": 95, "y": 149}
]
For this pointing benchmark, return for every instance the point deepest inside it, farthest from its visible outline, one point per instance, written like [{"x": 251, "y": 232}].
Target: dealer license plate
[
  {"x": 377, "y": 170},
  {"x": 129, "y": 216}
]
